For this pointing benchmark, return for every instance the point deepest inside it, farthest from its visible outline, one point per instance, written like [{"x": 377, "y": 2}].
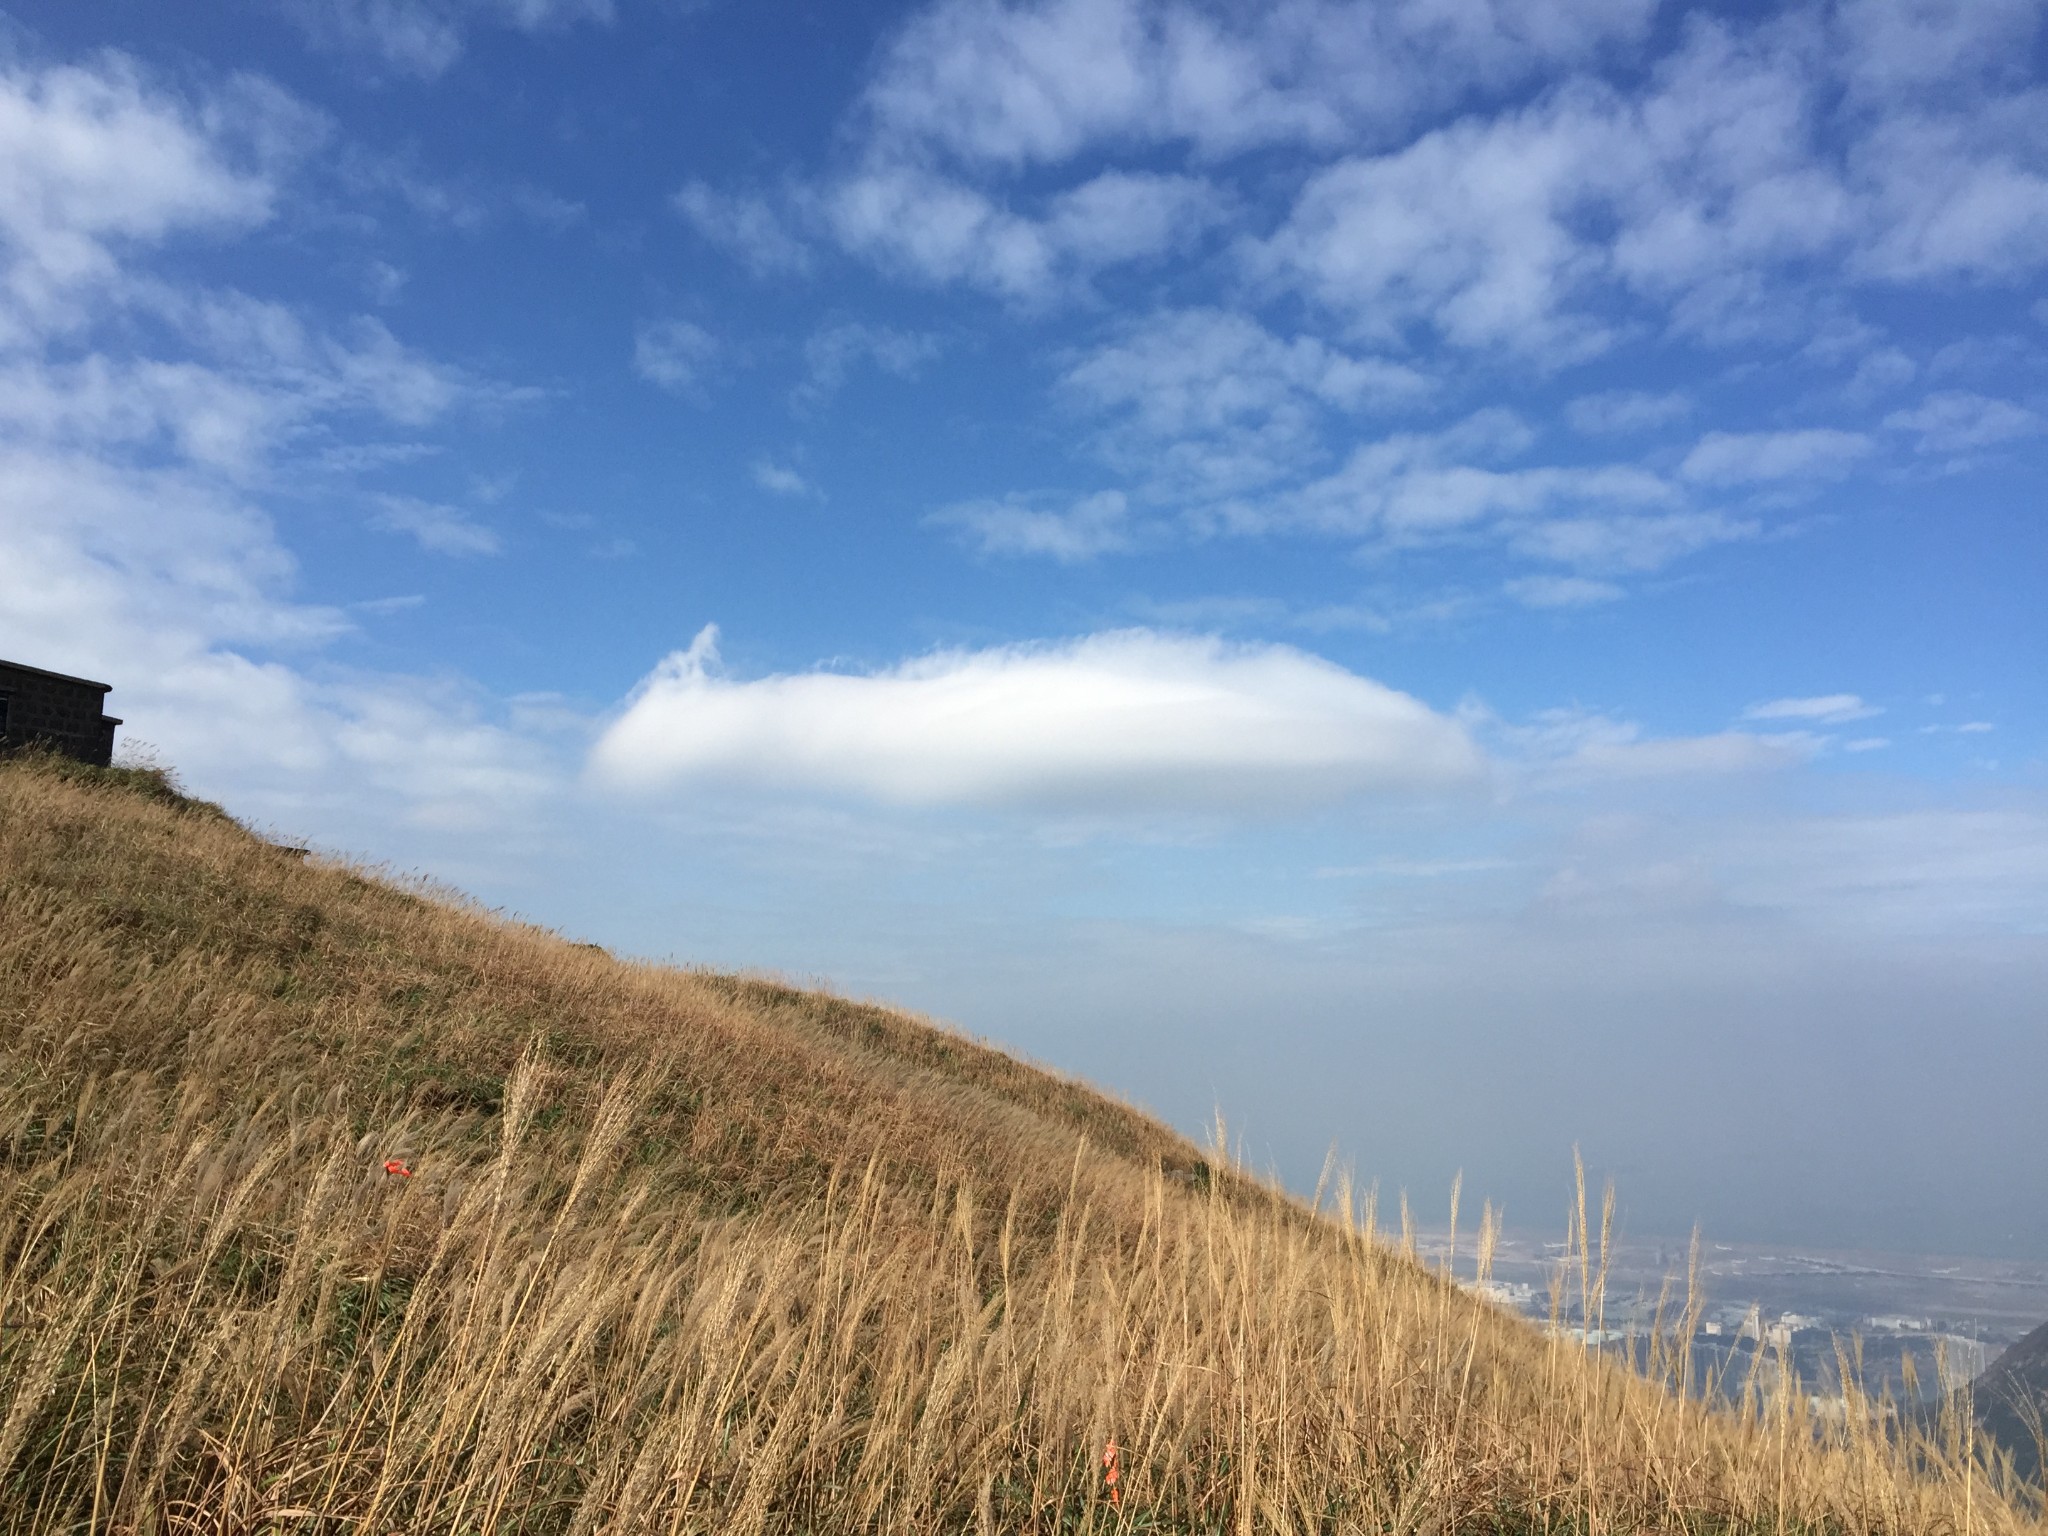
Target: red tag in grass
[
  {"x": 1110, "y": 1477},
  {"x": 397, "y": 1169}
]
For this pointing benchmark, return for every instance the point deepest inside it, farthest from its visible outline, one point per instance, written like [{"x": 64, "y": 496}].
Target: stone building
[{"x": 48, "y": 709}]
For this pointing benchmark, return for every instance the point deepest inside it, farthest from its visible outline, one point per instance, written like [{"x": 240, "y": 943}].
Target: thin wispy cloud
[
  {"x": 1627, "y": 410},
  {"x": 424, "y": 38},
  {"x": 1029, "y": 526},
  {"x": 1561, "y": 591},
  {"x": 439, "y": 529},
  {"x": 748, "y": 225},
  {"x": 1826, "y": 709},
  {"x": 1956, "y": 421},
  {"x": 1750, "y": 458},
  {"x": 1205, "y": 403},
  {"x": 781, "y": 479},
  {"x": 1575, "y": 747},
  {"x": 937, "y": 231},
  {"x": 678, "y": 355},
  {"x": 1009, "y": 86},
  {"x": 833, "y": 354}
]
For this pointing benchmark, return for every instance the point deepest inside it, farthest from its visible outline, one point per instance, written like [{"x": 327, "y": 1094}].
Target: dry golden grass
[{"x": 688, "y": 1253}]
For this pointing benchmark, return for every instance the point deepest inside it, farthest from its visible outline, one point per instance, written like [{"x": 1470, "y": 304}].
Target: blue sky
[{"x": 1452, "y": 578}]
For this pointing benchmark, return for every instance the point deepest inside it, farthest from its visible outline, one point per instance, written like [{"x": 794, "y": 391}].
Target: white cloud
[
  {"x": 1826, "y": 709},
  {"x": 1954, "y": 195},
  {"x": 1880, "y": 372},
  {"x": 200, "y": 414},
  {"x": 1225, "y": 421},
  {"x": 1208, "y": 402},
  {"x": 937, "y": 230},
  {"x": 675, "y": 354},
  {"x": 1571, "y": 747},
  {"x": 1413, "y": 869},
  {"x": 1459, "y": 485},
  {"x": 1626, "y": 410},
  {"x": 98, "y": 165},
  {"x": 1711, "y": 194},
  {"x": 1130, "y": 721},
  {"x": 266, "y": 380},
  {"x": 1955, "y": 421},
  {"x": 1722, "y": 176},
  {"x": 1008, "y": 85},
  {"x": 423, "y": 38},
  {"x": 1561, "y": 591},
  {"x": 401, "y": 603},
  {"x": 467, "y": 201},
  {"x": 168, "y": 586},
  {"x": 384, "y": 282},
  {"x": 1747, "y": 458},
  {"x": 1416, "y": 486},
  {"x": 1893, "y": 48},
  {"x": 1630, "y": 543},
  {"x": 377, "y": 371},
  {"x": 781, "y": 479},
  {"x": 93, "y": 162},
  {"x": 1520, "y": 231},
  {"x": 133, "y": 548},
  {"x": 1465, "y": 229},
  {"x": 411, "y": 38},
  {"x": 747, "y": 225},
  {"x": 1094, "y": 525},
  {"x": 833, "y": 352},
  {"x": 441, "y": 529},
  {"x": 1228, "y": 613},
  {"x": 1866, "y": 744},
  {"x": 1127, "y": 216},
  {"x": 128, "y": 552}
]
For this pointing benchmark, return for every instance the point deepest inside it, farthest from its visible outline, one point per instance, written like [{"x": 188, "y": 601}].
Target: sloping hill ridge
[
  {"x": 332, "y": 1204},
  {"x": 361, "y": 985},
  {"x": 2011, "y": 1401}
]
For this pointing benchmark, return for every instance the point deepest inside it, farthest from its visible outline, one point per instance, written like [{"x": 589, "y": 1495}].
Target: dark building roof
[{"x": 61, "y": 677}]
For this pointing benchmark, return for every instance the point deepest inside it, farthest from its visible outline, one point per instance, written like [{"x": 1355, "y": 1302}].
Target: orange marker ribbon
[
  {"x": 1110, "y": 1475},
  {"x": 397, "y": 1169}
]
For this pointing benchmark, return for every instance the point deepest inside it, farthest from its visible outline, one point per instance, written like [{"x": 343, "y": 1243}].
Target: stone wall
[{"x": 48, "y": 709}]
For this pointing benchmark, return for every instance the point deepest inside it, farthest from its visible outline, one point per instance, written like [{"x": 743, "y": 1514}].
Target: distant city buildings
[
  {"x": 1509, "y": 1293},
  {"x": 1906, "y": 1330}
]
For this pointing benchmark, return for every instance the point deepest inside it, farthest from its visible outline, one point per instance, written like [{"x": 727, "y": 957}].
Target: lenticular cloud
[{"x": 1126, "y": 721}]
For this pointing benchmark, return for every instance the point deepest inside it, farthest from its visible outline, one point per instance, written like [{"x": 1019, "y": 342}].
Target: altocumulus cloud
[{"x": 1132, "y": 720}]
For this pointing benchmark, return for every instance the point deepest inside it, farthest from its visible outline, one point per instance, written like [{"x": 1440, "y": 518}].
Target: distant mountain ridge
[{"x": 2011, "y": 1400}]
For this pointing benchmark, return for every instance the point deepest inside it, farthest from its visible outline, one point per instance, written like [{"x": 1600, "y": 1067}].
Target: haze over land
[{"x": 1456, "y": 580}]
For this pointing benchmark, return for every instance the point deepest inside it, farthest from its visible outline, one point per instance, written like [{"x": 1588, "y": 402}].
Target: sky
[{"x": 1447, "y": 579}]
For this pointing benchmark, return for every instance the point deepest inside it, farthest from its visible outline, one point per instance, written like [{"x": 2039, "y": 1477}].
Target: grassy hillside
[{"x": 667, "y": 1251}]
